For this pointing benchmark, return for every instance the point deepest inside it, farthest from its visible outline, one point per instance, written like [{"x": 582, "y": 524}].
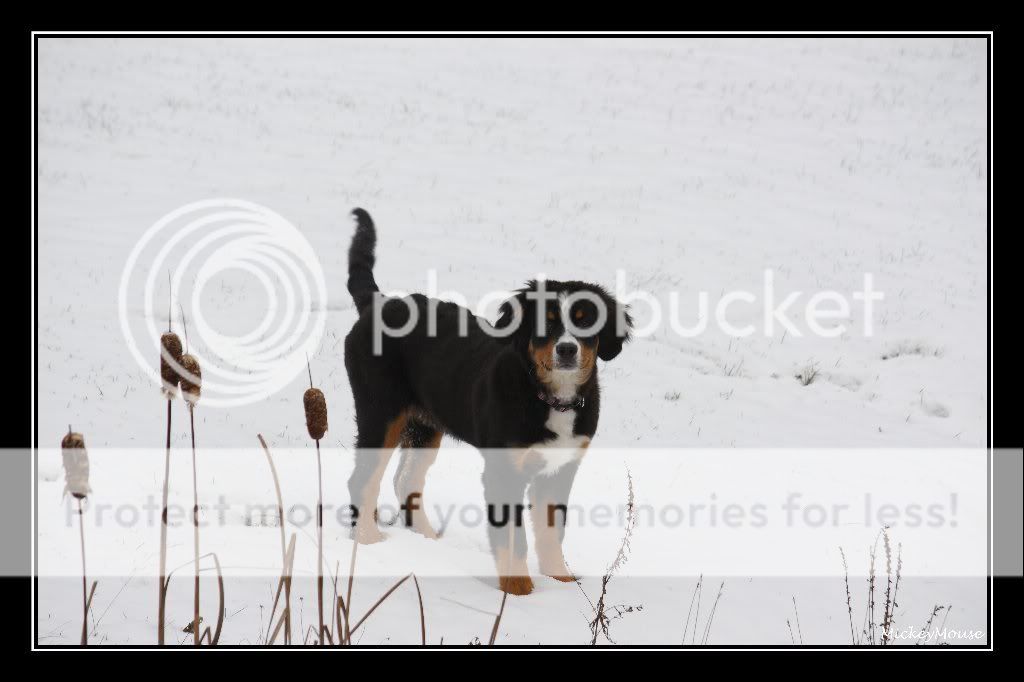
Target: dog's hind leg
[
  {"x": 419, "y": 451},
  {"x": 375, "y": 444}
]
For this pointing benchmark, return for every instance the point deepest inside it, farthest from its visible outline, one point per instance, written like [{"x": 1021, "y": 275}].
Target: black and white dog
[{"x": 524, "y": 392}]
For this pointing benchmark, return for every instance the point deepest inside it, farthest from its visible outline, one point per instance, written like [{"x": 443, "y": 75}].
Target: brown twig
[
  {"x": 285, "y": 575},
  {"x": 334, "y": 599},
  {"x": 283, "y": 583},
  {"x": 220, "y": 610},
  {"x": 689, "y": 612},
  {"x": 888, "y": 607},
  {"x": 928, "y": 626},
  {"x": 871, "y": 592},
  {"x": 601, "y": 619},
  {"x": 423, "y": 617},
  {"x": 348, "y": 596},
  {"x": 796, "y": 613},
  {"x": 193, "y": 627},
  {"x": 896, "y": 586},
  {"x": 220, "y": 614},
  {"x": 497, "y": 619},
  {"x": 339, "y": 611},
  {"x": 378, "y": 603},
  {"x": 711, "y": 616},
  {"x": 849, "y": 601}
]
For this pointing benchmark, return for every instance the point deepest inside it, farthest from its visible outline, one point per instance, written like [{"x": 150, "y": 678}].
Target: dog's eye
[
  {"x": 551, "y": 315},
  {"x": 578, "y": 314}
]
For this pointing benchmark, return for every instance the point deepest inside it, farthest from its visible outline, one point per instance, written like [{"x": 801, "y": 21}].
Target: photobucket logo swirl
[{"x": 179, "y": 268}]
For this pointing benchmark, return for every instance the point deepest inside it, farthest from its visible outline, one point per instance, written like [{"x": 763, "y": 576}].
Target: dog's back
[{"x": 433, "y": 364}]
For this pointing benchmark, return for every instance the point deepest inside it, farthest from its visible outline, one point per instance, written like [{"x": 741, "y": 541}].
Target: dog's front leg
[
  {"x": 505, "y": 479},
  {"x": 549, "y": 506}
]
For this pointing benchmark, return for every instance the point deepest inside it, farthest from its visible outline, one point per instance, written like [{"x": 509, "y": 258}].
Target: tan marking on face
[
  {"x": 542, "y": 358},
  {"x": 588, "y": 361}
]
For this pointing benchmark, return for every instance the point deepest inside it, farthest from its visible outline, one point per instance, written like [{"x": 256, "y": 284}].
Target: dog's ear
[
  {"x": 506, "y": 315},
  {"x": 515, "y": 311},
  {"x": 616, "y": 329}
]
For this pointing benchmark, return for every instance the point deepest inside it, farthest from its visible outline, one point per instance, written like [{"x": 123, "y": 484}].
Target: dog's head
[{"x": 563, "y": 326}]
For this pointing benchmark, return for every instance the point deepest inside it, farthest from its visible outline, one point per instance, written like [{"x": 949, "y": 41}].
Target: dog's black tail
[{"x": 361, "y": 283}]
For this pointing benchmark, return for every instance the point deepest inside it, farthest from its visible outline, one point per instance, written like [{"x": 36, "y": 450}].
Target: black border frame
[{"x": 1003, "y": 438}]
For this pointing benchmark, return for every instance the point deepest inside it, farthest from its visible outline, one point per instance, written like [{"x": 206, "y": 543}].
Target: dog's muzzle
[{"x": 566, "y": 356}]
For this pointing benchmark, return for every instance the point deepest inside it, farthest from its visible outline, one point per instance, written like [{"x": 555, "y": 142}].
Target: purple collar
[{"x": 556, "y": 404}]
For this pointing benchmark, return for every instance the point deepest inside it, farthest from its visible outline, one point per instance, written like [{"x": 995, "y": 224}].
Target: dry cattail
[
  {"x": 76, "y": 465},
  {"x": 316, "y": 413},
  {"x": 191, "y": 379},
  {"x": 316, "y": 423},
  {"x": 170, "y": 356}
]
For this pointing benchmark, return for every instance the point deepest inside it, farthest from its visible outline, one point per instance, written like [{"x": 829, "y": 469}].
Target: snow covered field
[{"x": 688, "y": 164}]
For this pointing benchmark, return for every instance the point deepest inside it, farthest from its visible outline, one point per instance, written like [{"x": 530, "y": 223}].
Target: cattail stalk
[
  {"x": 170, "y": 350},
  {"x": 76, "y": 482},
  {"x": 191, "y": 379},
  {"x": 85, "y": 596},
  {"x": 195, "y": 524},
  {"x": 316, "y": 423},
  {"x": 319, "y": 544},
  {"x": 163, "y": 536}
]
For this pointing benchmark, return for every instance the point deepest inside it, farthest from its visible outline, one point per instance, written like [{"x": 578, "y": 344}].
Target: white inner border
[{"x": 32, "y": 304}]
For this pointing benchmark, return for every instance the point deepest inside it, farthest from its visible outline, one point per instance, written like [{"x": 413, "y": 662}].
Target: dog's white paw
[
  {"x": 425, "y": 529},
  {"x": 368, "y": 535}
]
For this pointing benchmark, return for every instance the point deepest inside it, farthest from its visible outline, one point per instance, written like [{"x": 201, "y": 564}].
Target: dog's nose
[{"x": 565, "y": 351}]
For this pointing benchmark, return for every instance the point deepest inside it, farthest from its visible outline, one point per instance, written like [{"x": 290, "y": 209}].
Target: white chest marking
[{"x": 564, "y": 447}]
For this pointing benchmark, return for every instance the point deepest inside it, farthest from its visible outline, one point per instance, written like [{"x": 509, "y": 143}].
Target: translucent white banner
[{"x": 747, "y": 512}]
